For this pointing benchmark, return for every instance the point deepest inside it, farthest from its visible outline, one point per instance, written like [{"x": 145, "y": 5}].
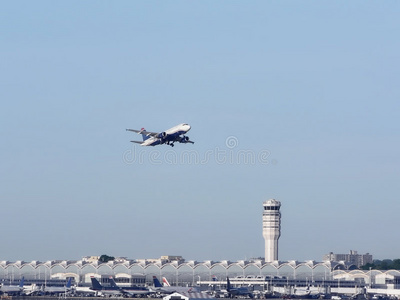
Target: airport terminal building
[
  {"x": 332, "y": 271},
  {"x": 176, "y": 270}
]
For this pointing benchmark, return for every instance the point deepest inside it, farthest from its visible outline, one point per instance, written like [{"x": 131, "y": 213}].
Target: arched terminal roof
[{"x": 129, "y": 264}]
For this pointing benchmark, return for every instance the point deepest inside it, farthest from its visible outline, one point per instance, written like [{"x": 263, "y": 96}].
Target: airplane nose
[{"x": 188, "y": 127}]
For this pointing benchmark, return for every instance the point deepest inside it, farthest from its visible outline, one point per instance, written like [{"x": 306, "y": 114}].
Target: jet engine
[
  {"x": 161, "y": 135},
  {"x": 184, "y": 139}
]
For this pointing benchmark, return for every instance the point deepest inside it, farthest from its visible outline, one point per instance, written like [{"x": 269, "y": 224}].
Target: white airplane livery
[{"x": 168, "y": 137}]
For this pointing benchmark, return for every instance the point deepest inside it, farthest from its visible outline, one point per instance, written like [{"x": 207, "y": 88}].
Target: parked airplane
[
  {"x": 58, "y": 289},
  {"x": 84, "y": 291},
  {"x": 169, "y": 137},
  {"x": 235, "y": 292},
  {"x": 106, "y": 290},
  {"x": 130, "y": 290},
  {"x": 168, "y": 289},
  {"x": 301, "y": 292},
  {"x": 12, "y": 289},
  {"x": 293, "y": 292}
]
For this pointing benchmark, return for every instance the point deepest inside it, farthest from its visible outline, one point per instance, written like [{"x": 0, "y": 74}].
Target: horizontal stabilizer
[
  {"x": 137, "y": 142},
  {"x": 186, "y": 141}
]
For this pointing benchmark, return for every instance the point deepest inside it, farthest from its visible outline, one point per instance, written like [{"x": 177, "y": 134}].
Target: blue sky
[{"x": 308, "y": 89}]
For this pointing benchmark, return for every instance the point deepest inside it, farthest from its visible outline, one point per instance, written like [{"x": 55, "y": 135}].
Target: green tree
[
  {"x": 384, "y": 265},
  {"x": 105, "y": 258},
  {"x": 396, "y": 264},
  {"x": 367, "y": 266}
]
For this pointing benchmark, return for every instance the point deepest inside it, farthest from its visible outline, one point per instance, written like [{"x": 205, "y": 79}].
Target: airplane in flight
[
  {"x": 168, "y": 137},
  {"x": 234, "y": 292},
  {"x": 12, "y": 289},
  {"x": 131, "y": 291},
  {"x": 168, "y": 289}
]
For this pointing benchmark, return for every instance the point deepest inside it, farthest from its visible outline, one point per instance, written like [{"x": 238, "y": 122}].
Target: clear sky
[{"x": 293, "y": 100}]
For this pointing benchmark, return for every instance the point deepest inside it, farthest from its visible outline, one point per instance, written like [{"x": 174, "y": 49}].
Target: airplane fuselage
[
  {"x": 168, "y": 289},
  {"x": 11, "y": 289},
  {"x": 170, "y": 135}
]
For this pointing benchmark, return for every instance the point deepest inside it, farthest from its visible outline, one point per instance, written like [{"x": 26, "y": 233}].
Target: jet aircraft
[
  {"x": 13, "y": 289},
  {"x": 52, "y": 290},
  {"x": 130, "y": 290},
  {"x": 301, "y": 292},
  {"x": 235, "y": 292},
  {"x": 168, "y": 289},
  {"x": 96, "y": 286},
  {"x": 168, "y": 137}
]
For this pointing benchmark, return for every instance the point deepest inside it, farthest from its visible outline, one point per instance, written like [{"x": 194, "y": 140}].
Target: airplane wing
[
  {"x": 144, "y": 131},
  {"x": 183, "y": 139}
]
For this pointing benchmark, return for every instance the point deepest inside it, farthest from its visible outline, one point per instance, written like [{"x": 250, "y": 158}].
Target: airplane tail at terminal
[
  {"x": 68, "y": 285},
  {"x": 165, "y": 281},
  {"x": 96, "y": 284},
  {"x": 156, "y": 282},
  {"x": 21, "y": 283},
  {"x": 241, "y": 291},
  {"x": 228, "y": 284},
  {"x": 112, "y": 283}
]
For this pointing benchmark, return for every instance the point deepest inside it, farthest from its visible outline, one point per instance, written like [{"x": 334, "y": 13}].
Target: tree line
[{"x": 385, "y": 264}]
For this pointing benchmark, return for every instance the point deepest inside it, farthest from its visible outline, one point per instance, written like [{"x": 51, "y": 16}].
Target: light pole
[
  {"x": 370, "y": 278},
  {"x": 192, "y": 277}
]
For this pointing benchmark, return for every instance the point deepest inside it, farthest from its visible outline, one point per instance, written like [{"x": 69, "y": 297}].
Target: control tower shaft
[{"x": 271, "y": 228}]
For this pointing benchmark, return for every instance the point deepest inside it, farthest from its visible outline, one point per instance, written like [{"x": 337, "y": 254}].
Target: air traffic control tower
[{"x": 271, "y": 228}]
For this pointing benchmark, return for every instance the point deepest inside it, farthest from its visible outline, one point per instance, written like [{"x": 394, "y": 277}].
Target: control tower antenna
[{"x": 271, "y": 228}]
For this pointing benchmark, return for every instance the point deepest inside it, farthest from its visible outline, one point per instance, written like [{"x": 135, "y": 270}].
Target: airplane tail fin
[
  {"x": 156, "y": 282},
  {"x": 95, "y": 284},
  {"x": 113, "y": 284},
  {"x": 228, "y": 284},
  {"x": 165, "y": 281},
  {"x": 143, "y": 132},
  {"x": 68, "y": 285},
  {"x": 21, "y": 283}
]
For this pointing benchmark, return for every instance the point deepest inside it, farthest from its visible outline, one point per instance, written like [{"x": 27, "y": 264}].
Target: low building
[
  {"x": 90, "y": 259},
  {"x": 170, "y": 258},
  {"x": 387, "y": 280}
]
